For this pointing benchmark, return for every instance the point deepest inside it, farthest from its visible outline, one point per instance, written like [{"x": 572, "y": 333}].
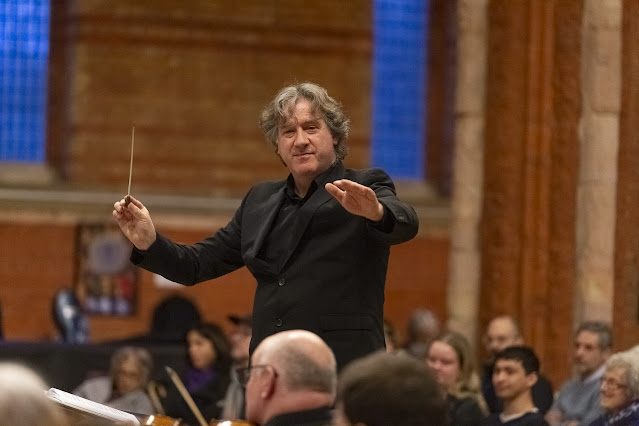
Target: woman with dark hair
[
  {"x": 450, "y": 358},
  {"x": 206, "y": 377}
]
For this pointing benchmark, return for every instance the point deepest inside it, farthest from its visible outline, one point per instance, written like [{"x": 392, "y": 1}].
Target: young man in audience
[
  {"x": 502, "y": 332},
  {"x": 579, "y": 398},
  {"x": 515, "y": 373},
  {"x": 388, "y": 390},
  {"x": 291, "y": 381}
]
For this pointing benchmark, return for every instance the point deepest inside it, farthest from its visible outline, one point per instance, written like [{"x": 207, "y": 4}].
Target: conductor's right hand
[{"x": 135, "y": 222}]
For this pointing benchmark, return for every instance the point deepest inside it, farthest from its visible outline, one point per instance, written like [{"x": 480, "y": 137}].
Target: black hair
[{"x": 523, "y": 354}]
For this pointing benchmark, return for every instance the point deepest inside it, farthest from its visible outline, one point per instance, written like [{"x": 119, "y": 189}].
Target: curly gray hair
[
  {"x": 628, "y": 362},
  {"x": 280, "y": 109}
]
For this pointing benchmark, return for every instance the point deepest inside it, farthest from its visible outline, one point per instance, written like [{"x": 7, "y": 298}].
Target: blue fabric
[{"x": 196, "y": 378}]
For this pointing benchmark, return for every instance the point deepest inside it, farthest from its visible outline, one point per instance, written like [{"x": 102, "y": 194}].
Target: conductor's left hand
[{"x": 357, "y": 199}]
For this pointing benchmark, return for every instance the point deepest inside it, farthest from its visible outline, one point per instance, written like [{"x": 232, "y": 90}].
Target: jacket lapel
[
  {"x": 298, "y": 227},
  {"x": 271, "y": 207}
]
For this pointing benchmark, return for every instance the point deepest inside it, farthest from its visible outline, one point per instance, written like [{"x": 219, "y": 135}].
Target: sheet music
[{"x": 92, "y": 407}]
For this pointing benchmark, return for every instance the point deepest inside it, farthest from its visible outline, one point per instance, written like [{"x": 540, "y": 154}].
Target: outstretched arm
[{"x": 357, "y": 199}]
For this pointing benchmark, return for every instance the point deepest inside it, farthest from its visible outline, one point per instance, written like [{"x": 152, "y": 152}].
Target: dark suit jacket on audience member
[
  {"x": 330, "y": 266},
  {"x": 542, "y": 393},
  {"x": 463, "y": 411},
  {"x": 316, "y": 417}
]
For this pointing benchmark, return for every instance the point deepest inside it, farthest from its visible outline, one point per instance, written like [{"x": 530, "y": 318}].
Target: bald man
[
  {"x": 503, "y": 332},
  {"x": 291, "y": 381}
]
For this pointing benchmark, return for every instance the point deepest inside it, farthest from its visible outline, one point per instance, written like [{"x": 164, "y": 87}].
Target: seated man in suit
[
  {"x": 317, "y": 242},
  {"x": 503, "y": 331},
  {"x": 291, "y": 381}
]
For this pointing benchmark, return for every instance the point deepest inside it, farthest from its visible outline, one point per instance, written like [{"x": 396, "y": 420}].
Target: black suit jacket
[{"x": 329, "y": 277}]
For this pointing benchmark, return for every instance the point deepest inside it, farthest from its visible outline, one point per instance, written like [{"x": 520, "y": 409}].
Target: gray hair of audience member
[
  {"x": 280, "y": 109},
  {"x": 23, "y": 401},
  {"x": 384, "y": 389},
  {"x": 301, "y": 371},
  {"x": 628, "y": 362},
  {"x": 601, "y": 329},
  {"x": 142, "y": 358}
]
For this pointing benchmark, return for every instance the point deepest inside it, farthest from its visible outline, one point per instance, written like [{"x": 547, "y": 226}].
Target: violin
[{"x": 159, "y": 420}]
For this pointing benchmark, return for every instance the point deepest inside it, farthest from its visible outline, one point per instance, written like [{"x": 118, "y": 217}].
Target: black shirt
[
  {"x": 322, "y": 416},
  {"x": 528, "y": 419}
]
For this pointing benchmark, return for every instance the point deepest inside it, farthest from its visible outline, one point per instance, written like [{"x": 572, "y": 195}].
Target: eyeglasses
[
  {"x": 244, "y": 373},
  {"x": 612, "y": 384}
]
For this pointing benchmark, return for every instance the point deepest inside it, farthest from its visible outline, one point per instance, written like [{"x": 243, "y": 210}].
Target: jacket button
[
  {"x": 281, "y": 282},
  {"x": 278, "y": 322}
]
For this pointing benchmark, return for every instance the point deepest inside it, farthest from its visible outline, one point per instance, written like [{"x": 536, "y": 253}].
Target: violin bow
[{"x": 185, "y": 394}]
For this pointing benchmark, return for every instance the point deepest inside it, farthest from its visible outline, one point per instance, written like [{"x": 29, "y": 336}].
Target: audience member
[
  {"x": 620, "y": 391},
  {"x": 388, "y": 390},
  {"x": 578, "y": 398},
  {"x": 69, "y": 317},
  {"x": 449, "y": 356},
  {"x": 125, "y": 387},
  {"x": 515, "y": 373},
  {"x": 234, "y": 404},
  {"x": 291, "y": 381},
  {"x": 421, "y": 328},
  {"x": 206, "y": 377},
  {"x": 502, "y": 332},
  {"x": 22, "y": 399},
  {"x": 390, "y": 336}
]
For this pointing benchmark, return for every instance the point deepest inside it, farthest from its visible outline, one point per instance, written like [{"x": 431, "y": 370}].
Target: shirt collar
[
  {"x": 596, "y": 375},
  {"x": 318, "y": 182}
]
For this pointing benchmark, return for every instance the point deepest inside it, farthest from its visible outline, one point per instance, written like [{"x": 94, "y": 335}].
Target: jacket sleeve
[
  {"x": 400, "y": 222},
  {"x": 191, "y": 264}
]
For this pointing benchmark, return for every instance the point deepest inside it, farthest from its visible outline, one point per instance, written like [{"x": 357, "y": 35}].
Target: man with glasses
[
  {"x": 578, "y": 402},
  {"x": 291, "y": 380}
]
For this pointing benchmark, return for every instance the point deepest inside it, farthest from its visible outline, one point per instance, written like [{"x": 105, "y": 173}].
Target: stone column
[
  {"x": 466, "y": 206},
  {"x": 599, "y": 144}
]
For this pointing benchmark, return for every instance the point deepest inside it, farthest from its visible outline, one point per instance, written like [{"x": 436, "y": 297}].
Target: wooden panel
[
  {"x": 441, "y": 74},
  {"x": 626, "y": 305},
  {"x": 531, "y": 164}
]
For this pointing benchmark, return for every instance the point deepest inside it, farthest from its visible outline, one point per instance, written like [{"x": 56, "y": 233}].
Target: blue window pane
[
  {"x": 24, "y": 56},
  {"x": 399, "y": 92}
]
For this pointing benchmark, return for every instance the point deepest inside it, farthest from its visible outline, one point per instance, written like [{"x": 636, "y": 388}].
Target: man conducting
[{"x": 317, "y": 242}]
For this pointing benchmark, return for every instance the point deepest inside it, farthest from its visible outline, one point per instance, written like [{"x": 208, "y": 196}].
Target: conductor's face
[{"x": 304, "y": 143}]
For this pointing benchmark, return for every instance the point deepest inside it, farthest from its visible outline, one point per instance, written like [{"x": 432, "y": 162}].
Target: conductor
[{"x": 317, "y": 242}]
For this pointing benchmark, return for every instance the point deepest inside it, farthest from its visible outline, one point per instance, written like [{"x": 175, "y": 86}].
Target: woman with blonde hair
[{"x": 449, "y": 356}]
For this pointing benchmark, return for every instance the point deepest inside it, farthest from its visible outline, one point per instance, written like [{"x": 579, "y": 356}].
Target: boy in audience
[{"x": 516, "y": 371}]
